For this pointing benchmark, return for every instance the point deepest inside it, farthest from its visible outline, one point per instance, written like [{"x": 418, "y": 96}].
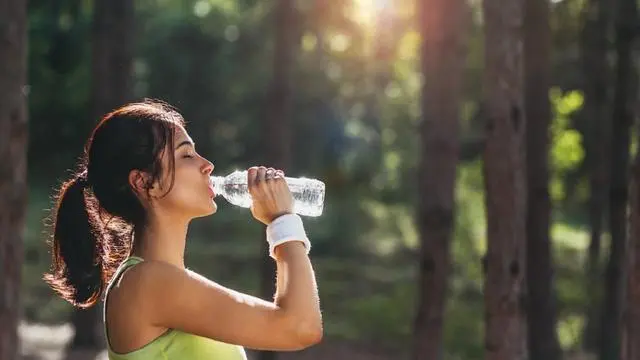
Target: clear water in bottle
[{"x": 308, "y": 194}]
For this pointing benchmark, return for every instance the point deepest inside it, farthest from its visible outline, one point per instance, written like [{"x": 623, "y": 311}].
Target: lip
[{"x": 212, "y": 193}]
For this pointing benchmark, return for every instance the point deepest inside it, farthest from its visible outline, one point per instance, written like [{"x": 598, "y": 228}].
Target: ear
[{"x": 138, "y": 181}]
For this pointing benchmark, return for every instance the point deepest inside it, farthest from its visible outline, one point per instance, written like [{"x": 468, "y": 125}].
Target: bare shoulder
[
  {"x": 148, "y": 272},
  {"x": 128, "y": 315},
  {"x": 139, "y": 281},
  {"x": 147, "y": 278}
]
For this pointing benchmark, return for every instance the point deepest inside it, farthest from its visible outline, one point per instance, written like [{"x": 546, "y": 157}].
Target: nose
[{"x": 207, "y": 168}]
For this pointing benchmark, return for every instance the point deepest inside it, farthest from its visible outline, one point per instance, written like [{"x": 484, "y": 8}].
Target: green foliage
[
  {"x": 567, "y": 150},
  {"x": 386, "y": 316}
]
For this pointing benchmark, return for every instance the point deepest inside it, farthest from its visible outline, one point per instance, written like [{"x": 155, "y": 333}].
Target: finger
[
  {"x": 280, "y": 174},
  {"x": 251, "y": 178},
  {"x": 270, "y": 174},
  {"x": 261, "y": 173},
  {"x": 260, "y": 179},
  {"x": 279, "y": 177}
]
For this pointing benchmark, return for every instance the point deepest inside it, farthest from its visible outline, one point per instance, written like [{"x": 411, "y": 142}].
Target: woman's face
[{"x": 191, "y": 195}]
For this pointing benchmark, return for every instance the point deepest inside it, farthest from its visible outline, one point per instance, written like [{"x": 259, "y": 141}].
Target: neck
[{"x": 162, "y": 239}]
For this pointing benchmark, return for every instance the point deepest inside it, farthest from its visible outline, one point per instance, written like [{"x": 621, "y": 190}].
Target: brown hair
[{"x": 96, "y": 211}]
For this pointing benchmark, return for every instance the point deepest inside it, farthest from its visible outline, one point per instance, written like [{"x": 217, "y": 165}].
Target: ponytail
[{"x": 76, "y": 247}]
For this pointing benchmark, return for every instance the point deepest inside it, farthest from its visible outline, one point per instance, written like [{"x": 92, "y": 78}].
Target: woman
[{"x": 120, "y": 228}]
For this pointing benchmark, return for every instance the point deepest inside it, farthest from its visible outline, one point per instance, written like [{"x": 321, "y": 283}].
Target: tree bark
[
  {"x": 13, "y": 167},
  {"x": 112, "y": 54},
  {"x": 631, "y": 318},
  {"x": 625, "y": 92},
  {"x": 598, "y": 144},
  {"x": 111, "y": 71},
  {"x": 542, "y": 339},
  {"x": 505, "y": 182},
  {"x": 442, "y": 24},
  {"x": 277, "y": 125}
]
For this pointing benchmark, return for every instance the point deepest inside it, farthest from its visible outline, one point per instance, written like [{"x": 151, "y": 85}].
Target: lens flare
[{"x": 365, "y": 12}]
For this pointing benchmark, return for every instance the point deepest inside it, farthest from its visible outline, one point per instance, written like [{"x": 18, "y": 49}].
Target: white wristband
[{"x": 286, "y": 228}]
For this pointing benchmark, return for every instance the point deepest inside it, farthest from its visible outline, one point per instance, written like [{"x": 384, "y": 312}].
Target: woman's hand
[{"x": 270, "y": 194}]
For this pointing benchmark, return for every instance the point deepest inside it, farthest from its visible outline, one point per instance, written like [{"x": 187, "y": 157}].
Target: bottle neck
[{"x": 218, "y": 184}]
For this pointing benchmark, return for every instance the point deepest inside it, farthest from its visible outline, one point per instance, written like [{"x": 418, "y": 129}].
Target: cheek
[
  {"x": 180, "y": 198},
  {"x": 186, "y": 187}
]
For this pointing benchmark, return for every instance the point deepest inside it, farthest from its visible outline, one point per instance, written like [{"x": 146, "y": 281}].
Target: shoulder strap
[{"x": 128, "y": 263}]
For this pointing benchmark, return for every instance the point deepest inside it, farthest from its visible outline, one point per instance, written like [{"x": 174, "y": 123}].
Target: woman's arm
[
  {"x": 297, "y": 291},
  {"x": 180, "y": 299}
]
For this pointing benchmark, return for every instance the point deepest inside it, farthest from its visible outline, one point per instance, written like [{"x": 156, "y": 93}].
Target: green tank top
[{"x": 173, "y": 344}]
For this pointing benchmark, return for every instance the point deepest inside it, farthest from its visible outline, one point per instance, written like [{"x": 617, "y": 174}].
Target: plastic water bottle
[{"x": 308, "y": 194}]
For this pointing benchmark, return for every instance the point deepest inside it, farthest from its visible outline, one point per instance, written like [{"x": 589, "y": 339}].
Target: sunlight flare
[{"x": 366, "y": 11}]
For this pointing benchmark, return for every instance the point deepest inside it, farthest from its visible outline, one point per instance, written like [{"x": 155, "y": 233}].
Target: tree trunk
[
  {"x": 111, "y": 69},
  {"x": 625, "y": 92},
  {"x": 443, "y": 31},
  {"x": 112, "y": 54},
  {"x": 598, "y": 143},
  {"x": 631, "y": 318},
  {"x": 13, "y": 167},
  {"x": 542, "y": 339},
  {"x": 505, "y": 182},
  {"x": 277, "y": 125}
]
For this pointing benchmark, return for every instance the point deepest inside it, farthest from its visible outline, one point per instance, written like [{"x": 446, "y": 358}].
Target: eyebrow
[{"x": 186, "y": 142}]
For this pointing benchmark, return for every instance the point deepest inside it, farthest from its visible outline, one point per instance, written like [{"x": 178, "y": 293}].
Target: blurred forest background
[{"x": 477, "y": 157}]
